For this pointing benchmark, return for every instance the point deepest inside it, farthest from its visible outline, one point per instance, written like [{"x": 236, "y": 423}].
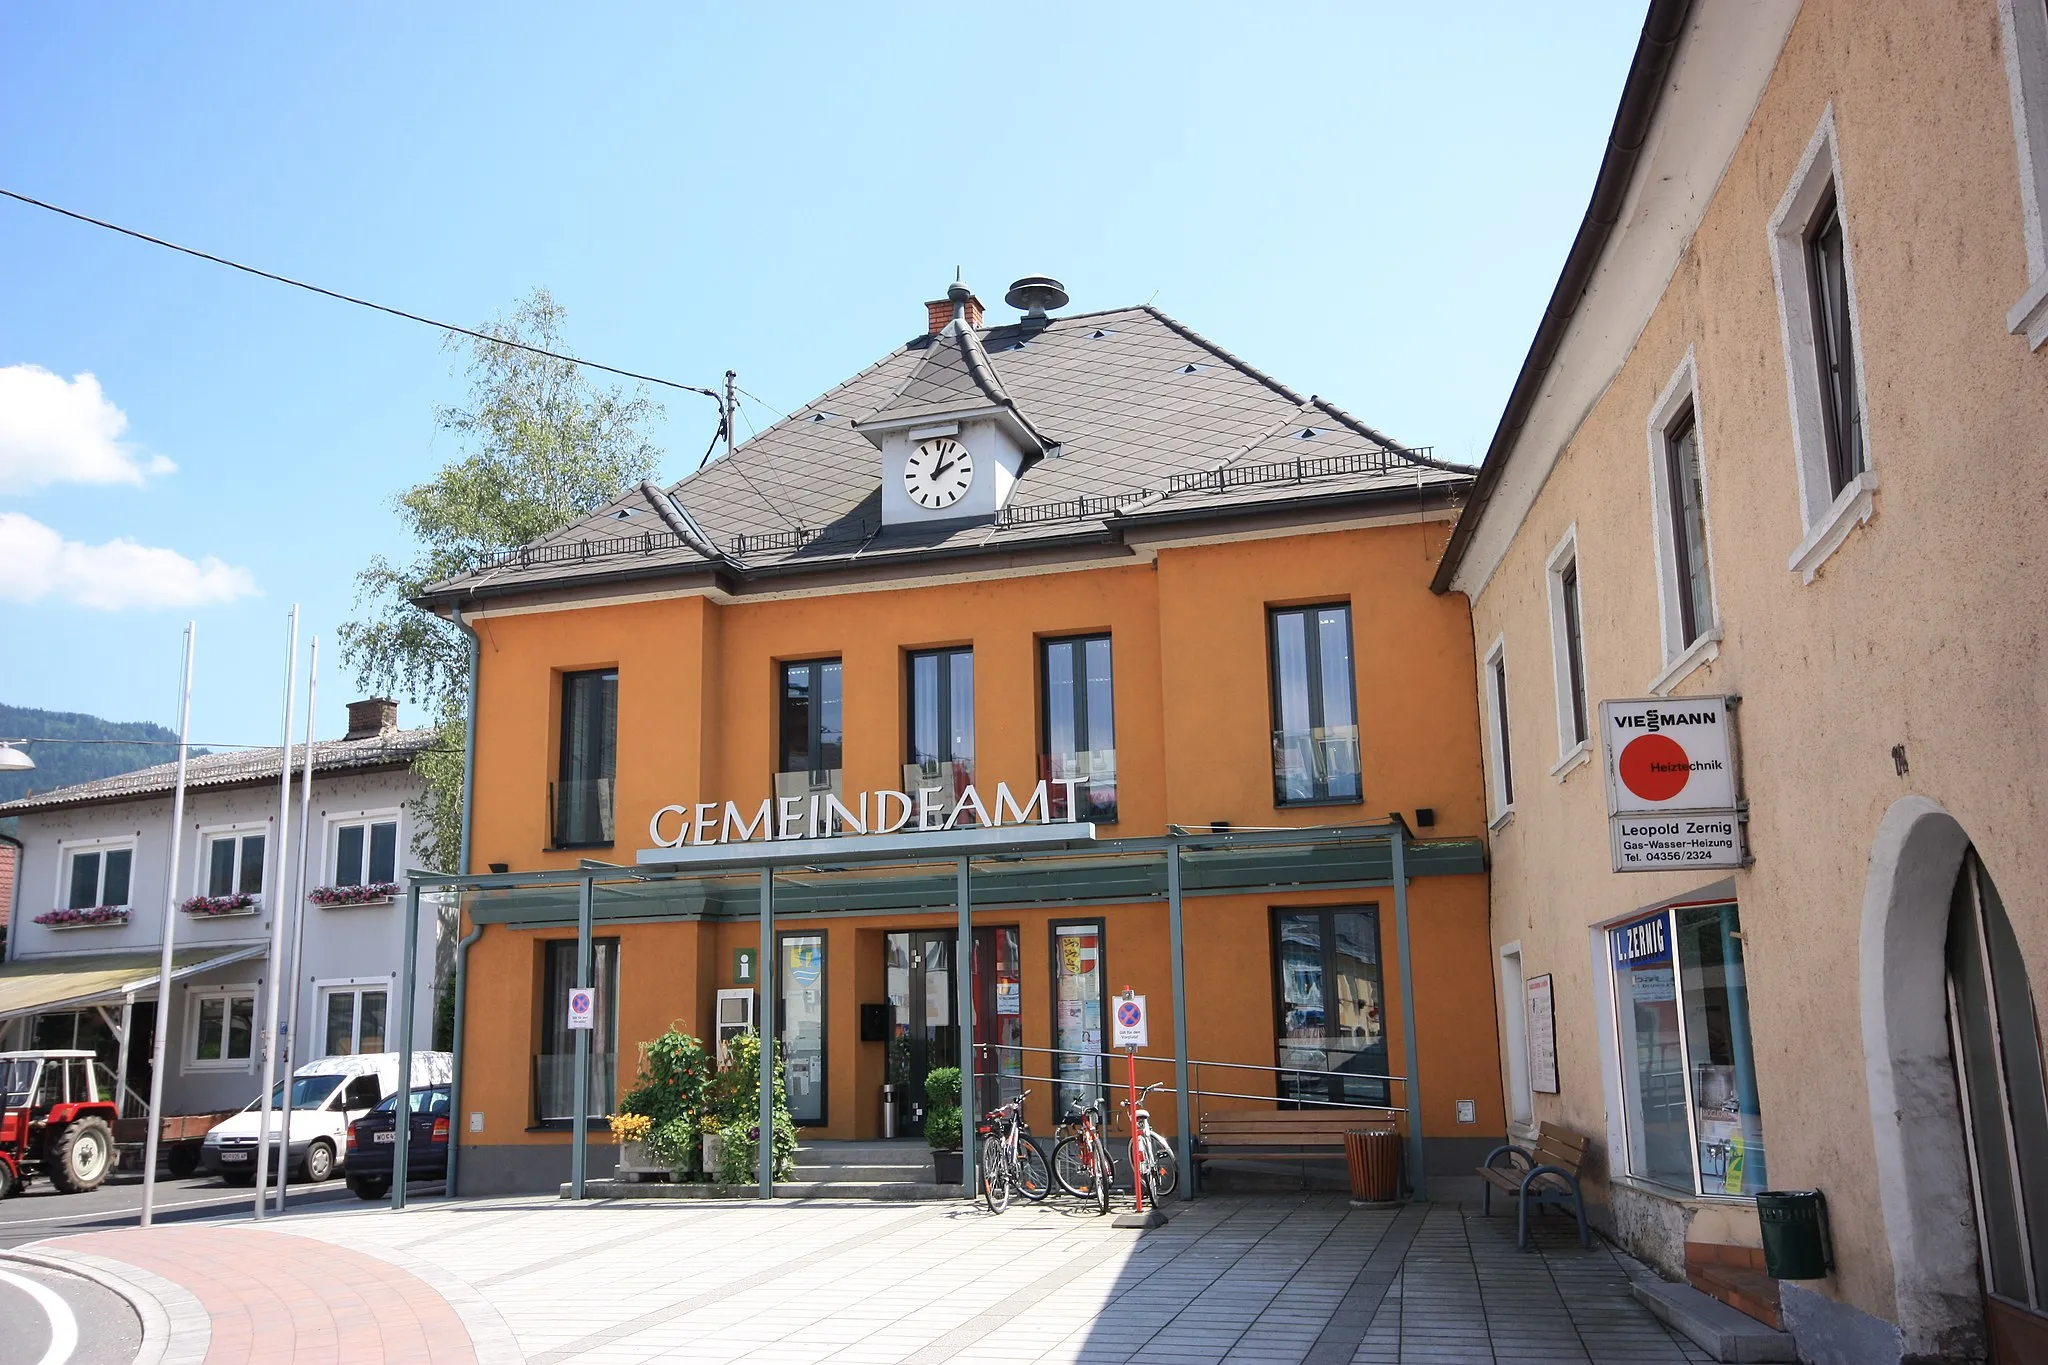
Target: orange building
[{"x": 1037, "y": 609}]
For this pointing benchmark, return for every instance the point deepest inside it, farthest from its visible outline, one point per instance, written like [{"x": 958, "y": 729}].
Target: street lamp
[{"x": 13, "y": 760}]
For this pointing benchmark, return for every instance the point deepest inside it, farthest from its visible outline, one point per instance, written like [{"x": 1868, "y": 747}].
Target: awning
[{"x": 49, "y": 983}]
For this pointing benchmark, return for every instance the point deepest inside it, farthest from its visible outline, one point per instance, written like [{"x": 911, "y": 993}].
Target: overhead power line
[{"x": 360, "y": 303}]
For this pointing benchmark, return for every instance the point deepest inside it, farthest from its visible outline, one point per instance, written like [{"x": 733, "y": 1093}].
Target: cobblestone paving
[{"x": 1256, "y": 1279}]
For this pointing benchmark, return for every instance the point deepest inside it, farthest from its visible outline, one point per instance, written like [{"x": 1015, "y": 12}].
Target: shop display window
[
  {"x": 554, "y": 1066},
  {"x": 800, "y": 1023},
  {"x": 1332, "y": 1043},
  {"x": 1078, "y": 1007},
  {"x": 1687, "y": 1070}
]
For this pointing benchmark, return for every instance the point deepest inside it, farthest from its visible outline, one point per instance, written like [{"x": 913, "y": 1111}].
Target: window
[
  {"x": 590, "y": 740},
  {"x": 1315, "y": 715},
  {"x": 1079, "y": 727},
  {"x": 1080, "y": 996},
  {"x": 800, "y": 1023},
  {"x": 1568, "y": 654},
  {"x": 98, "y": 876},
  {"x": 234, "y": 864},
  {"x": 1816, "y": 286},
  {"x": 221, "y": 1027},
  {"x": 812, "y": 731},
  {"x": 1332, "y": 1042},
  {"x": 555, "y": 1066},
  {"x": 366, "y": 853},
  {"x": 2025, "y": 24},
  {"x": 1687, "y": 1073},
  {"x": 1499, "y": 737},
  {"x": 1688, "y": 511},
  {"x": 1827, "y": 265},
  {"x": 941, "y": 723},
  {"x": 353, "y": 1020}
]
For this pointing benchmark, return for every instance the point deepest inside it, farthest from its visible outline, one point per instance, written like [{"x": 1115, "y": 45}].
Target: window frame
[
  {"x": 367, "y": 820},
  {"x": 1083, "y": 726},
  {"x": 189, "y": 1058},
  {"x": 607, "y": 1009},
  {"x": 324, "y": 989},
  {"x": 1312, "y": 654},
  {"x": 1500, "y": 776},
  {"x": 824, "y": 1083},
  {"x": 814, "y": 739},
  {"x": 1327, "y": 950},
  {"x": 2024, "y": 28},
  {"x": 70, "y": 848},
  {"x": 1826, "y": 514},
  {"x": 1099, "y": 926},
  {"x": 1568, "y": 655},
  {"x": 946, "y": 654},
  {"x": 209, "y": 835},
  {"x": 561, "y": 779},
  {"x": 1676, "y": 406}
]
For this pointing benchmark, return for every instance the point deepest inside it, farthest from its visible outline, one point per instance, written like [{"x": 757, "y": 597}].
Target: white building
[{"x": 86, "y": 936}]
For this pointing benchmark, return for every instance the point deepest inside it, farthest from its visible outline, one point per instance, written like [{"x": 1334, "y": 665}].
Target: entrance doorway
[{"x": 924, "y": 1031}]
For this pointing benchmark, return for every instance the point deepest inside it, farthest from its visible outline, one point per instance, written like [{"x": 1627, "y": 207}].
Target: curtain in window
[
  {"x": 590, "y": 726},
  {"x": 555, "y": 1067}
]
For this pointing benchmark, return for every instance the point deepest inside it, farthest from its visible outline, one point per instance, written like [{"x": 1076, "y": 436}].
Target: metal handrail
[{"x": 1197, "y": 1061}]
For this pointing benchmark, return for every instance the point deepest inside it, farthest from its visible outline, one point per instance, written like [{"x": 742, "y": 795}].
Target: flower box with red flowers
[
  {"x": 346, "y": 897},
  {"x": 92, "y": 917},
  {"x": 215, "y": 907}
]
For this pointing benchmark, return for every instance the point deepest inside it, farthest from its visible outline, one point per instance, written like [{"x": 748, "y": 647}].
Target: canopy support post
[
  {"x": 963, "y": 1019},
  {"x": 579, "y": 1122},
  {"x": 1398, "y": 847},
  {"x": 1183, "y": 1119},
  {"x": 765, "y": 1030}
]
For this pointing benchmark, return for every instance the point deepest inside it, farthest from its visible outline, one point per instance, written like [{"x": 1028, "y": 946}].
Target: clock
[{"x": 938, "y": 473}]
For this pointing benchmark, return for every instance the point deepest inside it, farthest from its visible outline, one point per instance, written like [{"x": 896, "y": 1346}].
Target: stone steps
[
  {"x": 889, "y": 1191},
  {"x": 1713, "y": 1326}
]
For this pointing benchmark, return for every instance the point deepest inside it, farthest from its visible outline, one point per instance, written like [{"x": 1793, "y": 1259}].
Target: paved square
[{"x": 1302, "y": 1278}]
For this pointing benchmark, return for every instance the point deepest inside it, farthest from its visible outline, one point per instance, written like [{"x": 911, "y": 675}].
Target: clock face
[{"x": 938, "y": 473}]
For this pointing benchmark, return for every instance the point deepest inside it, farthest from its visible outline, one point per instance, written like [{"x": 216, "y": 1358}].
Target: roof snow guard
[{"x": 1133, "y": 417}]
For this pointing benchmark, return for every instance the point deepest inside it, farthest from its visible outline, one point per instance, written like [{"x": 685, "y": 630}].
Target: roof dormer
[{"x": 953, "y": 442}]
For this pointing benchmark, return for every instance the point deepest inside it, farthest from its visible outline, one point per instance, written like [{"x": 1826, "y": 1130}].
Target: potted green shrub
[
  {"x": 669, "y": 1093},
  {"x": 942, "y": 1122},
  {"x": 732, "y": 1127}
]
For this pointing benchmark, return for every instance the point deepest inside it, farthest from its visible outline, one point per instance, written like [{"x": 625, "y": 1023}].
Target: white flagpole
[
  {"x": 163, "y": 974},
  {"x": 275, "y": 905},
  {"x": 291, "y": 1020}
]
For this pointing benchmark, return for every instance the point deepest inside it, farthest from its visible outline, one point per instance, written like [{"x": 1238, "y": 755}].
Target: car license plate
[
  {"x": 234, "y": 1156},
  {"x": 383, "y": 1137}
]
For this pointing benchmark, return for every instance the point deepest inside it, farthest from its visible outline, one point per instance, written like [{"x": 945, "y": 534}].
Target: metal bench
[{"x": 1545, "y": 1176}]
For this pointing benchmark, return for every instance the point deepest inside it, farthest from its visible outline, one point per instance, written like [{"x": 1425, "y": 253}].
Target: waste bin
[
  {"x": 1374, "y": 1155},
  {"x": 1795, "y": 1228},
  {"x": 888, "y": 1111}
]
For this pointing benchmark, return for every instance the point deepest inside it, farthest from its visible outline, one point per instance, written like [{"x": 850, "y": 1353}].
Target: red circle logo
[{"x": 1655, "y": 767}]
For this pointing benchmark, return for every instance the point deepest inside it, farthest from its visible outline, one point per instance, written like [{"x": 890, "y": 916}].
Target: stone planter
[
  {"x": 946, "y": 1166},
  {"x": 714, "y": 1153},
  {"x": 637, "y": 1163}
]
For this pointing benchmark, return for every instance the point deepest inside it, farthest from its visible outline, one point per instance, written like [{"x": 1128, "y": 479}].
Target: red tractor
[{"x": 56, "y": 1120}]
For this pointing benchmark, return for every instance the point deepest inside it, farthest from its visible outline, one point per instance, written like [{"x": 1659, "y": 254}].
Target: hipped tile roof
[{"x": 330, "y": 756}]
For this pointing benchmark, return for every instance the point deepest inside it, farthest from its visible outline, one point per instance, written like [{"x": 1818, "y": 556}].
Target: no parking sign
[
  {"x": 583, "y": 1008},
  {"x": 1130, "y": 1021}
]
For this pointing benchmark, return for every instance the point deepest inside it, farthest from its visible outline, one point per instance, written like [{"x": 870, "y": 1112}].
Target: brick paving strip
[{"x": 273, "y": 1297}]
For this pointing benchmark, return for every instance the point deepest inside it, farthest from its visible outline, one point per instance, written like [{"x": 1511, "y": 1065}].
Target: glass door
[
  {"x": 998, "y": 1018},
  {"x": 924, "y": 1031},
  {"x": 800, "y": 1023},
  {"x": 1331, "y": 1016}
]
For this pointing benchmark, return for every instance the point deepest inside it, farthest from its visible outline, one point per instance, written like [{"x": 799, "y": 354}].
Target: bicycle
[
  {"x": 1081, "y": 1160},
  {"x": 1160, "y": 1171},
  {"x": 1010, "y": 1160}
]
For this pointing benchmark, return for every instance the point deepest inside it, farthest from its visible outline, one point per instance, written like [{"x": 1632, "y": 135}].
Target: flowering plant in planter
[
  {"x": 74, "y": 919},
  {"x": 631, "y": 1127},
  {"x": 221, "y": 905},
  {"x": 366, "y": 894}
]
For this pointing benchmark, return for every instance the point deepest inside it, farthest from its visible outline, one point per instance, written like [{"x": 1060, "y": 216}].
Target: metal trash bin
[
  {"x": 1374, "y": 1155},
  {"x": 889, "y": 1111},
  {"x": 1795, "y": 1229}
]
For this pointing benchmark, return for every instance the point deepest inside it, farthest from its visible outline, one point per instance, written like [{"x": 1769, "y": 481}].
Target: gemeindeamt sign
[
  {"x": 1671, "y": 787},
  {"x": 823, "y": 815}
]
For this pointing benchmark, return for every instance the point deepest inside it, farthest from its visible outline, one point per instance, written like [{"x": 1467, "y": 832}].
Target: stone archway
[{"x": 1922, "y": 1171}]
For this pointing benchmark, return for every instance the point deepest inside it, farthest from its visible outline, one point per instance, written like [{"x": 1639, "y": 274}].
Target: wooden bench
[
  {"x": 1282, "y": 1134},
  {"x": 1545, "y": 1176}
]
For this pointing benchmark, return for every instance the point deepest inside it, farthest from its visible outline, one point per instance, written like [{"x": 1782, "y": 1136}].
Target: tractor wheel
[
  {"x": 81, "y": 1156},
  {"x": 183, "y": 1161}
]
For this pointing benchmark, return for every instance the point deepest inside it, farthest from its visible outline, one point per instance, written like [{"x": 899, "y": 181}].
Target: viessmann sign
[
  {"x": 822, "y": 815},
  {"x": 1671, "y": 790}
]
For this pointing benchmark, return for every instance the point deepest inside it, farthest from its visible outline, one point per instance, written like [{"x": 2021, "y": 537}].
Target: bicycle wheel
[
  {"x": 995, "y": 1174},
  {"x": 1070, "y": 1168},
  {"x": 1161, "y": 1167},
  {"x": 1034, "y": 1175},
  {"x": 1105, "y": 1176}
]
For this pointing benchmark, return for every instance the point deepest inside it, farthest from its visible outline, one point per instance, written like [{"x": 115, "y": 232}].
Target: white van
[{"x": 326, "y": 1096}]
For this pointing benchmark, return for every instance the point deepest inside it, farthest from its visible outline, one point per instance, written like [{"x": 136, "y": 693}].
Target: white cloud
[
  {"x": 37, "y": 564},
  {"x": 54, "y": 430}
]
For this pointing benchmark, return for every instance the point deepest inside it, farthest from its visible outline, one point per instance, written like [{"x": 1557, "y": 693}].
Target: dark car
[{"x": 373, "y": 1138}]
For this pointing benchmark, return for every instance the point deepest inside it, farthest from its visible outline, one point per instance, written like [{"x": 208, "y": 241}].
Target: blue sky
[{"x": 1369, "y": 201}]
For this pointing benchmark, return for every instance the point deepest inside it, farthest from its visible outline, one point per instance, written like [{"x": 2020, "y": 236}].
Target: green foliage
[
  {"x": 61, "y": 765},
  {"x": 543, "y": 446},
  {"x": 942, "y": 1116},
  {"x": 674, "y": 1071},
  {"x": 732, "y": 1102},
  {"x": 674, "y": 1142},
  {"x": 444, "y": 1017},
  {"x": 739, "y": 1157}
]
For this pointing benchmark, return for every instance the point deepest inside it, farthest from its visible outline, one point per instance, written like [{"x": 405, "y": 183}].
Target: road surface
[
  {"x": 39, "y": 1211},
  {"x": 52, "y": 1318}
]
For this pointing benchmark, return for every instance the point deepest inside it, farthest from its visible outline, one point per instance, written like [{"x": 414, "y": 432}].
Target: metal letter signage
[
  {"x": 822, "y": 815},
  {"x": 1671, "y": 783}
]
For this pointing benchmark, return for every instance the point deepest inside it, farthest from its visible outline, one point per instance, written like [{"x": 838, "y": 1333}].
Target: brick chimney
[
  {"x": 371, "y": 718},
  {"x": 939, "y": 312}
]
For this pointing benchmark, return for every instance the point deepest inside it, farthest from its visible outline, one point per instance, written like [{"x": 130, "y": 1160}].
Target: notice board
[{"x": 1542, "y": 1035}]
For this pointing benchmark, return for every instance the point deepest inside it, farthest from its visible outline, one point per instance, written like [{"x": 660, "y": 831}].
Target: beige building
[{"x": 1782, "y": 436}]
